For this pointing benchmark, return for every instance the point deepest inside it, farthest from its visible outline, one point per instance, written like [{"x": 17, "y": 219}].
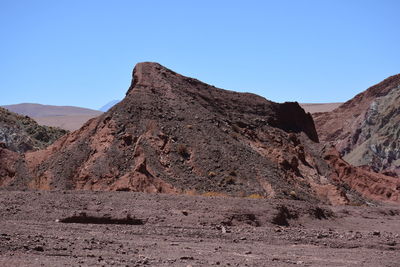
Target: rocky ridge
[
  {"x": 365, "y": 129},
  {"x": 21, "y": 133},
  {"x": 175, "y": 134}
]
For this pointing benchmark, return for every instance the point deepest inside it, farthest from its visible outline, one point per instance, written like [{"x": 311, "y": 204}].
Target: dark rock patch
[{"x": 83, "y": 218}]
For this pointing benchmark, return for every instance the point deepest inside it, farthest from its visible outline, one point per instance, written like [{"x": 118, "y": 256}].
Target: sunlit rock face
[{"x": 366, "y": 129}]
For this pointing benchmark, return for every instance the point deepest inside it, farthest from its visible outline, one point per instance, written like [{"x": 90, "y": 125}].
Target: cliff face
[
  {"x": 174, "y": 134},
  {"x": 21, "y": 133},
  {"x": 366, "y": 130}
]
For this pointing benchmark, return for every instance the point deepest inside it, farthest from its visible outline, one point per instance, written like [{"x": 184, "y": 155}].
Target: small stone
[
  {"x": 377, "y": 233},
  {"x": 322, "y": 235},
  {"x": 39, "y": 248},
  {"x": 223, "y": 229}
]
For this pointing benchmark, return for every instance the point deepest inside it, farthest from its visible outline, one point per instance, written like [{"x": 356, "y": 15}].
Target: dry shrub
[
  {"x": 255, "y": 196},
  {"x": 190, "y": 192},
  {"x": 293, "y": 194},
  {"x": 321, "y": 213},
  {"x": 214, "y": 194},
  {"x": 182, "y": 150},
  {"x": 233, "y": 173},
  {"x": 212, "y": 174},
  {"x": 230, "y": 180},
  {"x": 283, "y": 216}
]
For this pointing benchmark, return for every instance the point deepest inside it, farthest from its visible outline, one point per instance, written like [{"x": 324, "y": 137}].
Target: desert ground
[
  {"x": 319, "y": 107},
  {"x": 79, "y": 228},
  {"x": 67, "y": 122}
]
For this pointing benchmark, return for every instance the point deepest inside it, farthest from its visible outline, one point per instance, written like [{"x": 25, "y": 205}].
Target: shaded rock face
[
  {"x": 366, "y": 130},
  {"x": 8, "y": 165},
  {"x": 21, "y": 133},
  {"x": 174, "y": 134}
]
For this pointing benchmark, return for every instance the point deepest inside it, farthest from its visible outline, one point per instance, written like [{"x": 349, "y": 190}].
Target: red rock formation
[
  {"x": 174, "y": 134},
  {"x": 370, "y": 184},
  {"x": 365, "y": 129},
  {"x": 8, "y": 159}
]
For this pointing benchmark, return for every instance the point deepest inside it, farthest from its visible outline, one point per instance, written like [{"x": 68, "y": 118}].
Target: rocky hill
[
  {"x": 366, "y": 129},
  {"x": 174, "y": 134},
  {"x": 21, "y": 133}
]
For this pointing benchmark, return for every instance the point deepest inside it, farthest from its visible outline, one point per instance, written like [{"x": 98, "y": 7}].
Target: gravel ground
[{"x": 79, "y": 228}]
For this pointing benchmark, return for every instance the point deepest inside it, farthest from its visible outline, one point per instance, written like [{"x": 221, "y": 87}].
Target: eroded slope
[{"x": 365, "y": 129}]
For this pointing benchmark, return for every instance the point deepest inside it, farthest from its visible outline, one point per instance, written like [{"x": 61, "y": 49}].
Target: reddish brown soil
[
  {"x": 370, "y": 184},
  {"x": 168, "y": 230}
]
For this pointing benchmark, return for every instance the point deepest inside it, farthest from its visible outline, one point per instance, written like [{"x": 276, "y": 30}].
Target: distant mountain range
[
  {"x": 66, "y": 117},
  {"x": 39, "y": 110},
  {"x": 72, "y": 118},
  {"x": 319, "y": 107}
]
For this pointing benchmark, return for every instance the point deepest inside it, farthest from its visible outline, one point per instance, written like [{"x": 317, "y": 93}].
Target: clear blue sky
[{"x": 82, "y": 52}]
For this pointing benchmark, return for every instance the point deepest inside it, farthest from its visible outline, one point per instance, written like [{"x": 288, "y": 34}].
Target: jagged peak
[{"x": 150, "y": 74}]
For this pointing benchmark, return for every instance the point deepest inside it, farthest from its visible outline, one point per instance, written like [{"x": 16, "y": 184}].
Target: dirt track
[{"x": 166, "y": 230}]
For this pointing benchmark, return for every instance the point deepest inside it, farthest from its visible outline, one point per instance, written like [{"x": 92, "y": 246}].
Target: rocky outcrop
[
  {"x": 365, "y": 129},
  {"x": 372, "y": 185},
  {"x": 8, "y": 165},
  {"x": 175, "y": 134},
  {"x": 21, "y": 133}
]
